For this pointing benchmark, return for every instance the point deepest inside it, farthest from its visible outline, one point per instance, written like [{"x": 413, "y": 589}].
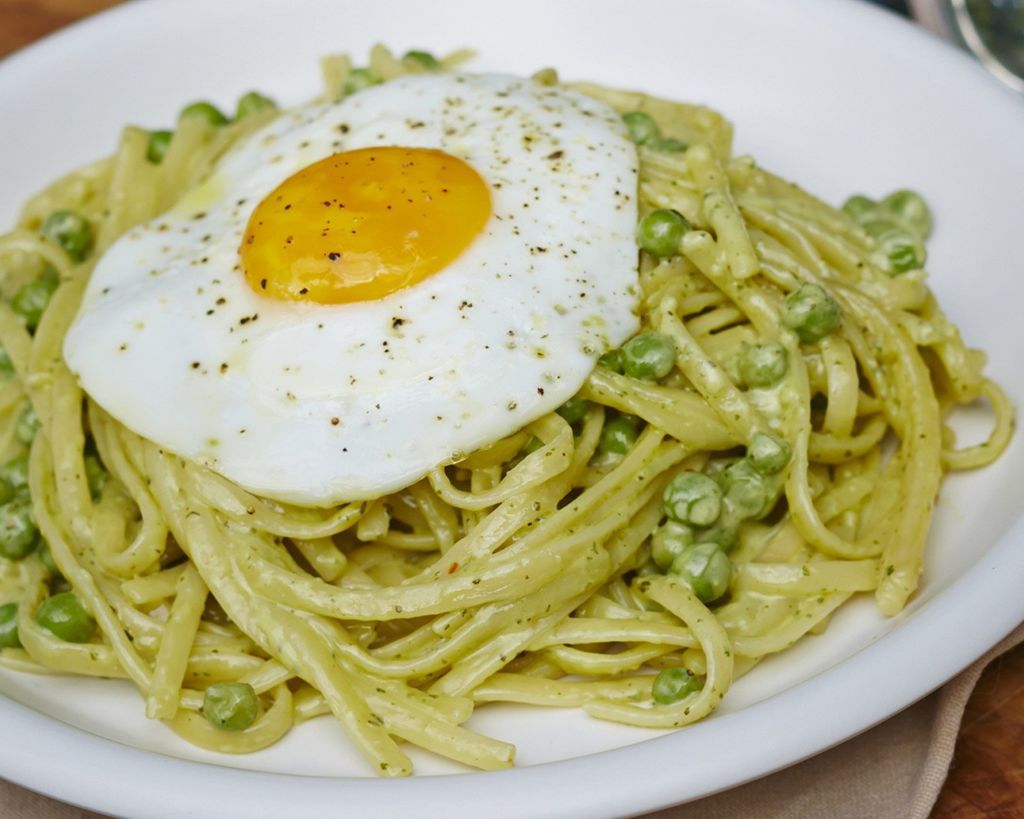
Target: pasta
[{"x": 539, "y": 569}]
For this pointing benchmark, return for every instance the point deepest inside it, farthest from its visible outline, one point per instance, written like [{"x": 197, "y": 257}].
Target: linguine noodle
[{"x": 521, "y": 573}]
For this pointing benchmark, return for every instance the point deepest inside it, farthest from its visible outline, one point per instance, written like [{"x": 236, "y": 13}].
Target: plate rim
[{"x": 199, "y": 788}]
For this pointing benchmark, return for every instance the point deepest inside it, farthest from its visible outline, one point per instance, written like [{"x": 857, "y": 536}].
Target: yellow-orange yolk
[{"x": 362, "y": 224}]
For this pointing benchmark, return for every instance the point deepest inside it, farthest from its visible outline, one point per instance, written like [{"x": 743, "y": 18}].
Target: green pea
[
  {"x": 6, "y": 491},
  {"x": 612, "y": 360},
  {"x": 50, "y": 275},
  {"x": 6, "y": 365},
  {"x": 725, "y": 531},
  {"x": 660, "y": 232},
  {"x": 64, "y": 615},
  {"x": 811, "y": 313},
  {"x": 745, "y": 490},
  {"x": 359, "y": 79},
  {"x": 533, "y": 443},
  {"x": 768, "y": 454},
  {"x": 158, "y": 145},
  {"x": 763, "y": 365},
  {"x": 859, "y": 207},
  {"x": 648, "y": 356},
  {"x": 693, "y": 498},
  {"x": 95, "y": 474},
  {"x": 877, "y": 224},
  {"x": 669, "y": 145},
  {"x": 911, "y": 209},
  {"x": 424, "y": 59},
  {"x": 30, "y": 301},
  {"x": 205, "y": 111},
  {"x": 574, "y": 410},
  {"x": 706, "y": 569},
  {"x": 71, "y": 232},
  {"x": 673, "y": 684},
  {"x": 46, "y": 558},
  {"x": 27, "y": 425},
  {"x": 230, "y": 706},
  {"x": 9, "y": 626},
  {"x": 903, "y": 252},
  {"x": 669, "y": 541},
  {"x": 15, "y": 473},
  {"x": 641, "y": 127},
  {"x": 252, "y": 102},
  {"x": 19, "y": 535},
  {"x": 617, "y": 436},
  {"x": 900, "y": 249}
]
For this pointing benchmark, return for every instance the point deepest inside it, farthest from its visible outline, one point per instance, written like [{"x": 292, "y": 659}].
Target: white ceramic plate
[{"x": 837, "y": 95}]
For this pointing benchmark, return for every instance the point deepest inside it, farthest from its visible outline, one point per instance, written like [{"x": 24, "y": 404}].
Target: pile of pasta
[{"x": 522, "y": 573}]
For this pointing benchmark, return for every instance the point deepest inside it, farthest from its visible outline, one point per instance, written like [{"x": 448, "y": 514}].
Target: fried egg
[{"x": 363, "y": 290}]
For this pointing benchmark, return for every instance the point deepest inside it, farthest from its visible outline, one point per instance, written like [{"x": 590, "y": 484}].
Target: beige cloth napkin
[{"x": 893, "y": 771}]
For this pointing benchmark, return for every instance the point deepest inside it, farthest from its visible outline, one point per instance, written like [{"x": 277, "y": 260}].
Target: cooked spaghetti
[{"x": 770, "y": 445}]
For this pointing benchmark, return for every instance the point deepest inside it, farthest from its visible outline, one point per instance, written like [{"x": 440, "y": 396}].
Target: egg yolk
[{"x": 362, "y": 224}]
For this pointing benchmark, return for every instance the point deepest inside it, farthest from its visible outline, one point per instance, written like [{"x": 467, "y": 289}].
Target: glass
[{"x": 993, "y": 30}]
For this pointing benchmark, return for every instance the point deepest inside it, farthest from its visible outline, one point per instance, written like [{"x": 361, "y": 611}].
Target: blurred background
[
  {"x": 22, "y": 21},
  {"x": 992, "y": 30}
]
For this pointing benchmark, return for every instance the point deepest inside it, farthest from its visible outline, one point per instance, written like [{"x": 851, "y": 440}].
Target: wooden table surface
[{"x": 987, "y": 777}]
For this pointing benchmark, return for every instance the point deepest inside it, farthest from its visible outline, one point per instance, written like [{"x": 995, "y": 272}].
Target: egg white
[{"x": 316, "y": 404}]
